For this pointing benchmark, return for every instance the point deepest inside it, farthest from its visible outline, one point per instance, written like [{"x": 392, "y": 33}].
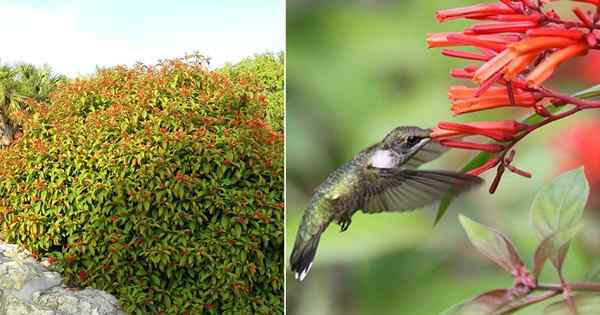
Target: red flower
[
  {"x": 500, "y": 27},
  {"x": 466, "y": 100},
  {"x": 517, "y": 40},
  {"x": 474, "y": 11},
  {"x": 494, "y": 148},
  {"x": 503, "y": 130},
  {"x": 545, "y": 69},
  {"x": 82, "y": 275},
  {"x": 520, "y": 49},
  {"x": 556, "y": 31}
]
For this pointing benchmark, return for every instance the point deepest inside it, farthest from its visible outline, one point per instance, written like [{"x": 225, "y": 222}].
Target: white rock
[{"x": 28, "y": 288}]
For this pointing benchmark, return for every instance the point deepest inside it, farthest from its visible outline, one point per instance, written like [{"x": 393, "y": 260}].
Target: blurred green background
[{"x": 355, "y": 70}]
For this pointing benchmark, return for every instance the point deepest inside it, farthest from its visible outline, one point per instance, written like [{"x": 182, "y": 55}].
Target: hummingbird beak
[
  {"x": 420, "y": 145},
  {"x": 417, "y": 147}
]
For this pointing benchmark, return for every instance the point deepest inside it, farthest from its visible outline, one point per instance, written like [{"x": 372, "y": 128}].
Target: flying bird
[{"x": 381, "y": 178}]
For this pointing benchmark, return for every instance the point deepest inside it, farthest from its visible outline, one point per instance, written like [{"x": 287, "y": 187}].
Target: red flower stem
[{"x": 581, "y": 286}]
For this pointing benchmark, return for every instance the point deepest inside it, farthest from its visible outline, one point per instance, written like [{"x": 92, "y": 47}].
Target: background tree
[{"x": 18, "y": 84}]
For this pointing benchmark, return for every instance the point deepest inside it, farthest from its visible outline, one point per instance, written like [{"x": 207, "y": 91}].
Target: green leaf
[
  {"x": 483, "y": 157},
  {"x": 492, "y": 244},
  {"x": 557, "y": 210},
  {"x": 587, "y": 304},
  {"x": 559, "y": 206},
  {"x": 591, "y": 92}
]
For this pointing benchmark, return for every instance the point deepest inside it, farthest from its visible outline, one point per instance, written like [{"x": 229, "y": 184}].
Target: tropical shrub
[
  {"x": 266, "y": 70},
  {"x": 160, "y": 184}
]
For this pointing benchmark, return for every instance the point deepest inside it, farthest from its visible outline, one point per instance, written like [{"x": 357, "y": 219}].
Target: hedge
[{"x": 160, "y": 184}]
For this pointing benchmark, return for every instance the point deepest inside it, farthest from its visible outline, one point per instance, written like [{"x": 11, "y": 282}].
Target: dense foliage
[
  {"x": 162, "y": 185},
  {"x": 266, "y": 70}
]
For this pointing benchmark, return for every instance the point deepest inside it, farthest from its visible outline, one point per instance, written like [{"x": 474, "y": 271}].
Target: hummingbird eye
[{"x": 412, "y": 140}]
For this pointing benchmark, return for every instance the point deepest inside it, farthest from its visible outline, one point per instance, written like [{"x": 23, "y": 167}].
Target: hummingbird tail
[{"x": 303, "y": 254}]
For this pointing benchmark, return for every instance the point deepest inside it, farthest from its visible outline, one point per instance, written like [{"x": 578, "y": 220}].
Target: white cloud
[
  {"x": 51, "y": 36},
  {"x": 57, "y": 36}
]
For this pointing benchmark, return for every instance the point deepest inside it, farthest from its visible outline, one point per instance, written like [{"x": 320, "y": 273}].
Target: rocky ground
[{"x": 28, "y": 288}]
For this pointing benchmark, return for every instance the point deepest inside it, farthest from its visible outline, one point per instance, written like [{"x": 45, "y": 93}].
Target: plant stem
[{"x": 579, "y": 286}]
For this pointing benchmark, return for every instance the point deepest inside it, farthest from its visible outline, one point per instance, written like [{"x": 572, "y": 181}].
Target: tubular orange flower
[
  {"x": 493, "y": 28},
  {"x": 519, "y": 54},
  {"x": 539, "y": 43},
  {"x": 461, "y": 91},
  {"x": 474, "y": 11},
  {"x": 438, "y": 133},
  {"x": 556, "y": 31},
  {"x": 520, "y": 49},
  {"x": 494, "y": 65},
  {"x": 494, "y": 148},
  {"x": 545, "y": 69},
  {"x": 519, "y": 64},
  {"x": 475, "y": 104},
  {"x": 464, "y": 55},
  {"x": 504, "y": 130},
  {"x": 535, "y": 17},
  {"x": 461, "y": 74},
  {"x": 439, "y": 40},
  {"x": 496, "y": 43}
]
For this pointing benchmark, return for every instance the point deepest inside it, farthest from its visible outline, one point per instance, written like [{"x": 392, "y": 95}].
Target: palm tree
[{"x": 18, "y": 83}]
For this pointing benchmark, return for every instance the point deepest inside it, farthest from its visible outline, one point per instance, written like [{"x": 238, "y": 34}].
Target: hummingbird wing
[
  {"x": 429, "y": 152},
  {"x": 406, "y": 189}
]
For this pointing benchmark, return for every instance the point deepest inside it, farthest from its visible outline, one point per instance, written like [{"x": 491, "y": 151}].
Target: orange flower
[
  {"x": 556, "y": 31},
  {"x": 545, "y": 69},
  {"x": 519, "y": 64},
  {"x": 503, "y": 130},
  {"x": 539, "y": 43},
  {"x": 517, "y": 56},
  {"x": 494, "y": 148},
  {"x": 460, "y": 92},
  {"x": 494, "y": 42},
  {"x": 464, "y": 99},
  {"x": 501, "y": 27},
  {"x": 475, "y": 104},
  {"x": 474, "y": 11}
]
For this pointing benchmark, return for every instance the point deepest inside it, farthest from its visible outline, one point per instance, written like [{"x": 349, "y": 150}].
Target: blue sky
[{"x": 75, "y": 36}]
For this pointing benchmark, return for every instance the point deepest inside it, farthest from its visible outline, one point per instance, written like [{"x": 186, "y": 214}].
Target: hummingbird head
[{"x": 406, "y": 141}]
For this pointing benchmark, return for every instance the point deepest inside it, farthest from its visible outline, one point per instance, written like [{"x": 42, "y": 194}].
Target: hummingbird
[{"x": 381, "y": 178}]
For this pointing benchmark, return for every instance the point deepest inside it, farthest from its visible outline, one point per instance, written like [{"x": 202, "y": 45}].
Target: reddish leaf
[
  {"x": 553, "y": 247},
  {"x": 497, "y": 302}
]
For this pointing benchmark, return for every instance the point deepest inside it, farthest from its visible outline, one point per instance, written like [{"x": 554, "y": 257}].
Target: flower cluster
[{"x": 516, "y": 50}]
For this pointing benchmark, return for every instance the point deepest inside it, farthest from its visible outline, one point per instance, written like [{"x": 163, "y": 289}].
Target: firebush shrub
[
  {"x": 266, "y": 70},
  {"x": 160, "y": 184}
]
